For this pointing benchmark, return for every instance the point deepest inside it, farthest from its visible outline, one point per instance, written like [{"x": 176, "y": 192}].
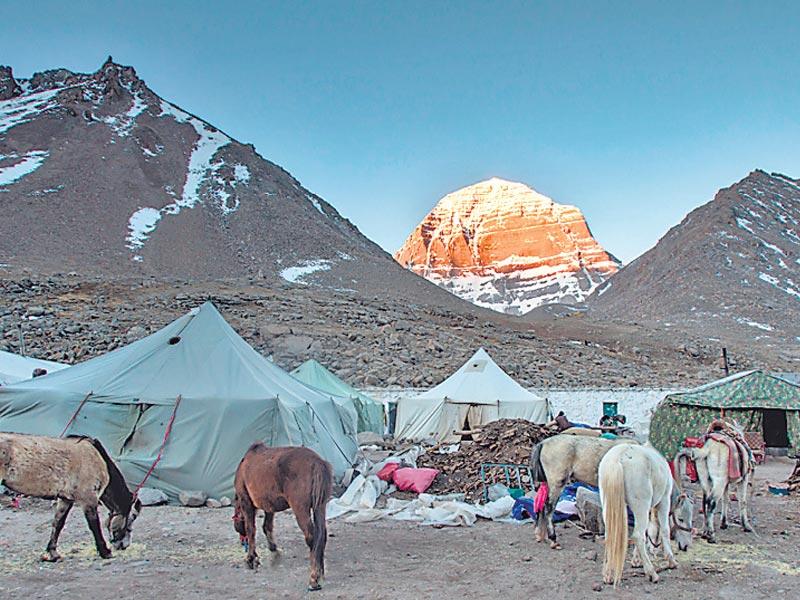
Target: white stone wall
[{"x": 583, "y": 405}]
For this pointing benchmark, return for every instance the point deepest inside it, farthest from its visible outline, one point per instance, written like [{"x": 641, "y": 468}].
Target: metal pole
[{"x": 21, "y": 340}]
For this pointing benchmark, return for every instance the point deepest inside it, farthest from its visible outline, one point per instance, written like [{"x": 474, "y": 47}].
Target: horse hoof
[
  {"x": 672, "y": 565},
  {"x": 555, "y": 546},
  {"x": 711, "y": 540},
  {"x": 723, "y": 525},
  {"x": 50, "y": 557},
  {"x": 105, "y": 553},
  {"x": 654, "y": 578},
  {"x": 747, "y": 528},
  {"x": 252, "y": 563},
  {"x": 314, "y": 587}
]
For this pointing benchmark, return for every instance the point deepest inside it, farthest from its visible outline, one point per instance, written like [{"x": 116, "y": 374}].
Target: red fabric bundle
[
  {"x": 414, "y": 480},
  {"x": 387, "y": 472}
]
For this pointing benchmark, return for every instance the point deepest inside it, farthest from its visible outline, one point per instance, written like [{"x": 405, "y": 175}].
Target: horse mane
[{"x": 116, "y": 496}]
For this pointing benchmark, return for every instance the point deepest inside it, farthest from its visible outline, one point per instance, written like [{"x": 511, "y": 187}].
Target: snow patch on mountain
[
  {"x": 304, "y": 269},
  {"x": 28, "y": 164},
  {"x": 140, "y": 225},
  {"x": 124, "y": 123},
  {"x": 22, "y": 109}
]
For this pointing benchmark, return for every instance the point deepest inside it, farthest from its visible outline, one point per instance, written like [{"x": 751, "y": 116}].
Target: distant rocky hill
[
  {"x": 730, "y": 268},
  {"x": 504, "y": 246},
  {"x": 99, "y": 175}
]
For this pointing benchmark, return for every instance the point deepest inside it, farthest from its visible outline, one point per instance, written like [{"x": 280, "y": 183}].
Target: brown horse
[
  {"x": 71, "y": 470},
  {"x": 274, "y": 479}
]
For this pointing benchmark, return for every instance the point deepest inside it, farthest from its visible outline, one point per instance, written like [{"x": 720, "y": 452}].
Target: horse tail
[
  {"x": 116, "y": 496},
  {"x": 321, "y": 486},
  {"x": 615, "y": 518},
  {"x": 537, "y": 470}
]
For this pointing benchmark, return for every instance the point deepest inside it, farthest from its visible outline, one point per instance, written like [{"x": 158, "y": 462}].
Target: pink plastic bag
[{"x": 414, "y": 480}]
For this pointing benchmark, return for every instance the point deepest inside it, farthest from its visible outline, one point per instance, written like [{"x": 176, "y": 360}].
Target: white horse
[
  {"x": 712, "y": 472},
  {"x": 639, "y": 477}
]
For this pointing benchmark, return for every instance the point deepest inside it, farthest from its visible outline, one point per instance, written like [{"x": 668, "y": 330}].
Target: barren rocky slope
[
  {"x": 364, "y": 339},
  {"x": 504, "y": 246},
  {"x": 729, "y": 271}
]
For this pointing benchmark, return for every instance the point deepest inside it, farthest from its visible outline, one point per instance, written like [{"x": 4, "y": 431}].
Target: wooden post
[{"x": 725, "y": 361}]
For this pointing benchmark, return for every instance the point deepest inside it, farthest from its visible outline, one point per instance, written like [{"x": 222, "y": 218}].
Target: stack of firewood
[
  {"x": 507, "y": 441},
  {"x": 794, "y": 478}
]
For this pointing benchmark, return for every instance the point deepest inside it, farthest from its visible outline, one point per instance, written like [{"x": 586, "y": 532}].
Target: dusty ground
[{"x": 188, "y": 553}]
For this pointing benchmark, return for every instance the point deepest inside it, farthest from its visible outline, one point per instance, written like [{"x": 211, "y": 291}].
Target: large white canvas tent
[
  {"x": 199, "y": 386},
  {"x": 14, "y": 367},
  {"x": 479, "y": 392}
]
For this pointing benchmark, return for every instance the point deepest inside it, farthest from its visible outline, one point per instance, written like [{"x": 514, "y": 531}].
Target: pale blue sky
[{"x": 635, "y": 111}]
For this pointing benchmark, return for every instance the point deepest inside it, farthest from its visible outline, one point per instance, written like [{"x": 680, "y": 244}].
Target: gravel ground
[{"x": 188, "y": 553}]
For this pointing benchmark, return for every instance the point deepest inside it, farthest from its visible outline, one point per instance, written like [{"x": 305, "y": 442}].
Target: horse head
[
  {"x": 119, "y": 525},
  {"x": 682, "y": 514}
]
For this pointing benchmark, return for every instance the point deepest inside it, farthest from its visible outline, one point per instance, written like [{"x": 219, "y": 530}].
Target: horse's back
[
  {"x": 577, "y": 457},
  {"x": 51, "y": 467},
  {"x": 271, "y": 476}
]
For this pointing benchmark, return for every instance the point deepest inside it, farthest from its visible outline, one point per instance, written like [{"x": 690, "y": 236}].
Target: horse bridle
[{"x": 674, "y": 523}]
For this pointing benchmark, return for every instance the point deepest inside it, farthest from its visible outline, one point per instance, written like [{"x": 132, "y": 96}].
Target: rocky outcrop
[
  {"x": 504, "y": 246},
  {"x": 8, "y": 85}
]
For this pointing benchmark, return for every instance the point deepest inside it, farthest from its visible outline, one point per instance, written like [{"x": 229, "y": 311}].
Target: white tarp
[
  {"x": 14, "y": 367},
  {"x": 359, "y": 501},
  {"x": 479, "y": 392}
]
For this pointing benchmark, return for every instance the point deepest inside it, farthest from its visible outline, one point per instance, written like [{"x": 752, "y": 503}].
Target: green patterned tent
[{"x": 744, "y": 396}]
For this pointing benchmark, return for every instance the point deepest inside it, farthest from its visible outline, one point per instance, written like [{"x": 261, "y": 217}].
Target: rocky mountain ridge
[{"x": 99, "y": 175}]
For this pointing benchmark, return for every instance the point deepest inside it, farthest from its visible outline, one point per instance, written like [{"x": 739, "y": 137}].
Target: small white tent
[
  {"x": 479, "y": 392},
  {"x": 15, "y": 367}
]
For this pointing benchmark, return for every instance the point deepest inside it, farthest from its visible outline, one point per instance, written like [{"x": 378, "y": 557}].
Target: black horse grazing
[
  {"x": 73, "y": 470},
  {"x": 274, "y": 479}
]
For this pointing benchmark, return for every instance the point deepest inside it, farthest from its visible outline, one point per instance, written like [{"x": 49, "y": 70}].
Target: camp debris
[
  {"x": 750, "y": 398},
  {"x": 479, "y": 392},
  {"x": 179, "y": 408},
  {"x": 370, "y": 411},
  {"x": 507, "y": 441}
]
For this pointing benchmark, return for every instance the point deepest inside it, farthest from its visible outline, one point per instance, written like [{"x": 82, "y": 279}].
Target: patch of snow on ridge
[
  {"x": 305, "y": 268},
  {"x": 316, "y": 204},
  {"x": 140, "y": 225},
  {"x": 205, "y": 148},
  {"x": 755, "y": 324},
  {"x": 123, "y": 124},
  {"x": 241, "y": 172},
  {"x": 24, "y": 108},
  {"x": 29, "y": 163}
]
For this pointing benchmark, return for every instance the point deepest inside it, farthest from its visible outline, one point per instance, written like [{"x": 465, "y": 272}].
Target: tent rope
[
  {"x": 328, "y": 431},
  {"x": 167, "y": 431},
  {"x": 75, "y": 414}
]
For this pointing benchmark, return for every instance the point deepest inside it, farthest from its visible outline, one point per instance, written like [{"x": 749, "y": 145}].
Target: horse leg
[
  {"x": 93, "y": 520},
  {"x": 302, "y": 513},
  {"x": 269, "y": 522},
  {"x": 713, "y": 501},
  {"x": 662, "y": 515},
  {"x": 249, "y": 518},
  {"x": 641, "y": 521},
  {"x": 62, "y": 510},
  {"x": 744, "y": 503},
  {"x": 723, "y": 522},
  {"x": 549, "y": 509}
]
